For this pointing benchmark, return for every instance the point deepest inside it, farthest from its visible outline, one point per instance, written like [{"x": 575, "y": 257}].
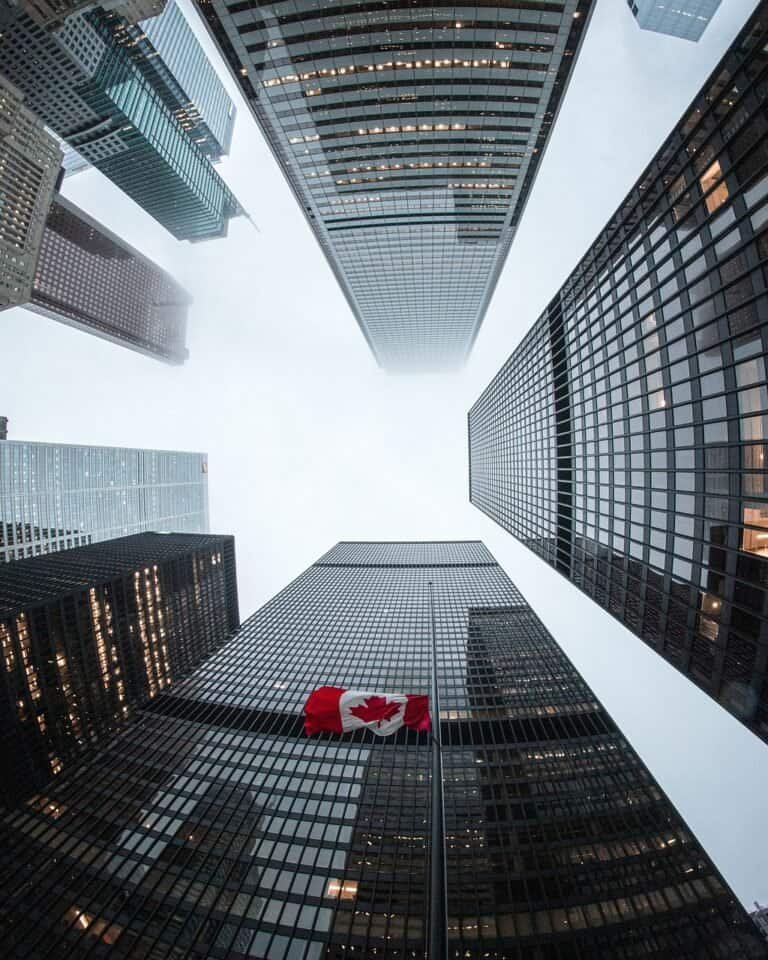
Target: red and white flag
[{"x": 336, "y": 710}]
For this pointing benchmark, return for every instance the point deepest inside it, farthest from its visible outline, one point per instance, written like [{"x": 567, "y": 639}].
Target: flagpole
[{"x": 438, "y": 887}]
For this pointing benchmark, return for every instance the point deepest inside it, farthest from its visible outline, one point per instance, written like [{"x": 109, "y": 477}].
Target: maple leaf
[{"x": 375, "y": 709}]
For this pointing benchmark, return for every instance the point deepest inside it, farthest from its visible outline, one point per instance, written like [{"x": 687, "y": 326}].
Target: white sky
[{"x": 310, "y": 443}]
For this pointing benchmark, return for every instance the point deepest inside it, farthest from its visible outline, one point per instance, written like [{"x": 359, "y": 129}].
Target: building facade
[
  {"x": 52, "y": 13},
  {"x": 30, "y": 160},
  {"x": 88, "y": 635},
  {"x": 624, "y": 440},
  {"x": 175, "y": 63},
  {"x": 89, "y": 278},
  {"x": 82, "y": 81},
  {"x": 687, "y": 19},
  {"x": 411, "y": 137},
  {"x": 54, "y": 496},
  {"x": 215, "y": 828}
]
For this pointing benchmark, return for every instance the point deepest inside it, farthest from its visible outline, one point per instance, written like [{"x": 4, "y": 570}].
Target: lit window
[
  {"x": 708, "y": 179},
  {"x": 341, "y": 889},
  {"x": 755, "y": 540}
]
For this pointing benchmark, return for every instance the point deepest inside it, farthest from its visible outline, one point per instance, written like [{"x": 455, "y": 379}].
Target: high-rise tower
[
  {"x": 411, "y": 136},
  {"x": 214, "y": 827},
  {"x": 88, "y": 635},
  {"x": 84, "y": 84},
  {"x": 687, "y": 19},
  {"x": 166, "y": 48},
  {"x": 625, "y": 439},
  {"x": 88, "y": 278},
  {"x": 30, "y": 160},
  {"x": 55, "y": 495}
]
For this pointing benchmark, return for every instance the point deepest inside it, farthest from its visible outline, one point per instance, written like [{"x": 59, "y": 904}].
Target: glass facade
[
  {"x": 213, "y": 827},
  {"x": 175, "y": 63},
  {"x": 91, "y": 279},
  {"x": 411, "y": 135},
  {"x": 687, "y": 19},
  {"x": 85, "y": 86},
  {"x": 624, "y": 440},
  {"x": 88, "y": 635},
  {"x": 54, "y": 496}
]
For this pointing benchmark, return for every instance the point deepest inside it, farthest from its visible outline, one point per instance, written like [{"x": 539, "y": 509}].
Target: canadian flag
[{"x": 336, "y": 710}]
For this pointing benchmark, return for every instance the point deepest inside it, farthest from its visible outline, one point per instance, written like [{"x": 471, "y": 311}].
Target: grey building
[
  {"x": 687, "y": 19},
  {"x": 234, "y": 835},
  {"x": 760, "y": 918},
  {"x": 82, "y": 81},
  {"x": 411, "y": 136},
  {"x": 176, "y": 64},
  {"x": 54, "y": 496},
  {"x": 624, "y": 441},
  {"x": 89, "y": 635},
  {"x": 52, "y": 13},
  {"x": 91, "y": 279},
  {"x": 30, "y": 160}
]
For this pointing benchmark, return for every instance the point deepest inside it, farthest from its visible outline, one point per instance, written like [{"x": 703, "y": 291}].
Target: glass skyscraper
[
  {"x": 212, "y": 826},
  {"x": 411, "y": 136},
  {"x": 55, "y": 495},
  {"x": 82, "y": 81},
  {"x": 687, "y": 19},
  {"x": 625, "y": 439},
  {"x": 88, "y": 635},
  {"x": 88, "y": 278},
  {"x": 176, "y": 65}
]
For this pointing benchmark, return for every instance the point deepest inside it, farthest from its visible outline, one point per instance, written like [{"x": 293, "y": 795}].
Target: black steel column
[{"x": 438, "y": 886}]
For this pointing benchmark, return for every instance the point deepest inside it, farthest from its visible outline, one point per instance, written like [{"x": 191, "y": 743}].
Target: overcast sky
[{"x": 310, "y": 443}]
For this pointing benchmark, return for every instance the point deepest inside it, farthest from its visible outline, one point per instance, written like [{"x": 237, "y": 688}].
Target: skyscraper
[
  {"x": 82, "y": 81},
  {"x": 55, "y": 495},
  {"x": 52, "y": 13},
  {"x": 624, "y": 440},
  {"x": 30, "y": 160},
  {"x": 88, "y": 635},
  {"x": 89, "y": 278},
  {"x": 174, "y": 62},
  {"x": 212, "y": 826},
  {"x": 687, "y": 19},
  {"x": 411, "y": 137}
]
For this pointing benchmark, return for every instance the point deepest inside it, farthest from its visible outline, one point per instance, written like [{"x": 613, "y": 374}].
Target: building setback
[
  {"x": 411, "y": 136},
  {"x": 54, "y": 496},
  {"x": 88, "y": 635},
  {"x": 82, "y": 81},
  {"x": 687, "y": 19},
  {"x": 89, "y": 278},
  {"x": 30, "y": 160},
  {"x": 175, "y": 63},
  {"x": 238, "y": 836},
  {"x": 624, "y": 440}
]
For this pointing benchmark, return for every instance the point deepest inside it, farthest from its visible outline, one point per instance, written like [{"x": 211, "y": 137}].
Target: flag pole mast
[{"x": 438, "y": 887}]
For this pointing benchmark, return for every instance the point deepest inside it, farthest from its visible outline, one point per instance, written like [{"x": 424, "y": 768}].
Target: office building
[
  {"x": 84, "y": 84},
  {"x": 89, "y": 278},
  {"x": 624, "y": 440},
  {"x": 72, "y": 163},
  {"x": 29, "y": 168},
  {"x": 174, "y": 62},
  {"x": 687, "y": 19},
  {"x": 3, "y": 428},
  {"x": 53, "y": 13},
  {"x": 54, "y": 496},
  {"x": 88, "y": 635},
  {"x": 411, "y": 137},
  {"x": 213, "y": 826},
  {"x": 760, "y": 917}
]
